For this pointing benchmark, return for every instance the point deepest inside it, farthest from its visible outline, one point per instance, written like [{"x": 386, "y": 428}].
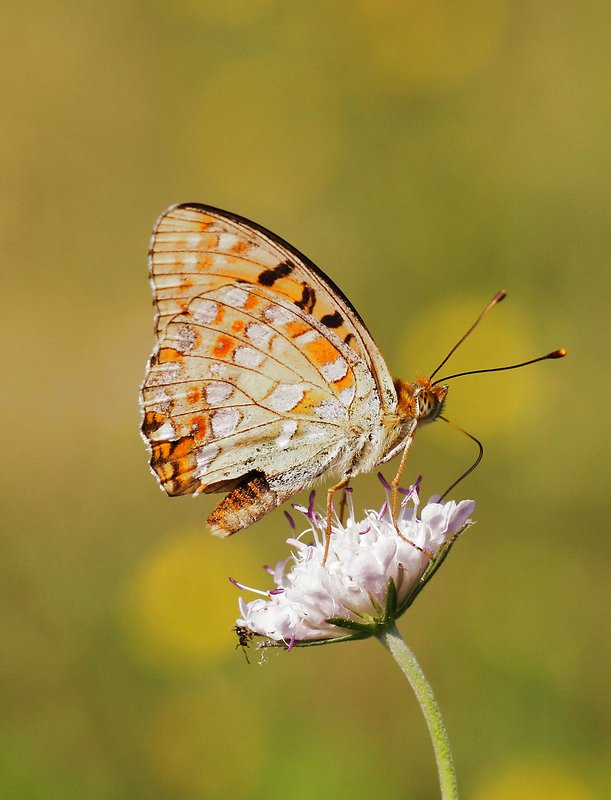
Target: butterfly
[{"x": 263, "y": 377}]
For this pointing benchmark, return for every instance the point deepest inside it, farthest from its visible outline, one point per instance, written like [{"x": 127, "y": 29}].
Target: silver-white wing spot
[
  {"x": 306, "y": 338},
  {"x": 160, "y": 402},
  {"x": 288, "y": 429},
  {"x": 285, "y": 396},
  {"x": 218, "y": 391},
  {"x": 347, "y": 395},
  {"x": 330, "y": 410},
  {"x": 227, "y": 241},
  {"x": 189, "y": 261},
  {"x": 164, "y": 433},
  {"x": 219, "y": 368},
  {"x": 204, "y": 311},
  {"x": 185, "y": 339},
  {"x": 279, "y": 315},
  {"x": 193, "y": 241},
  {"x": 247, "y": 357},
  {"x": 335, "y": 370},
  {"x": 234, "y": 297},
  {"x": 259, "y": 334},
  {"x": 204, "y": 456},
  {"x": 225, "y": 421}
]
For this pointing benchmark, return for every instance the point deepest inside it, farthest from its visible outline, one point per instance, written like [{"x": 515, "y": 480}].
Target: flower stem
[{"x": 394, "y": 643}]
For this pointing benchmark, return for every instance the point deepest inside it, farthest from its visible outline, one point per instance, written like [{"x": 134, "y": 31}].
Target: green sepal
[
  {"x": 351, "y": 637},
  {"x": 390, "y": 608},
  {"x": 368, "y": 628},
  {"x": 372, "y": 626}
]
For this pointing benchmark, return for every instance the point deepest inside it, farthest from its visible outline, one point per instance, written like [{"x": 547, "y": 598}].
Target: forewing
[{"x": 196, "y": 249}]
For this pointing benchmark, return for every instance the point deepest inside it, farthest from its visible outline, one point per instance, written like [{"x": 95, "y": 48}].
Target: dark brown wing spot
[
  {"x": 163, "y": 452},
  {"x": 348, "y": 338},
  {"x": 334, "y": 320},
  {"x": 269, "y": 276},
  {"x": 308, "y": 299},
  {"x": 152, "y": 421},
  {"x": 173, "y": 462}
]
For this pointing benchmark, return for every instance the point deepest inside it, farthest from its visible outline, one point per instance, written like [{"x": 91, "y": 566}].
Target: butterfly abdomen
[{"x": 250, "y": 500}]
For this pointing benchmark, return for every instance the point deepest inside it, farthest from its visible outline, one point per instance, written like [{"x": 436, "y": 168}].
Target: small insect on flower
[
  {"x": 371, "y": 574},
  {"x": 244, "y": 638}
]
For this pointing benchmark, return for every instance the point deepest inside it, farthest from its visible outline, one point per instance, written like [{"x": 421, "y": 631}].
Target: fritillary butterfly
[{"x": 263, "y": 377}]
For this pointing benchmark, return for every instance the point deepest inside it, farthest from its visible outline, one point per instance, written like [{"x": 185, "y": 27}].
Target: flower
[{"x": 371, "y": 575}]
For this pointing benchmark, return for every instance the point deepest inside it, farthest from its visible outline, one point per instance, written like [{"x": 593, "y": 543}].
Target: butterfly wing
[{"x": 260, "y": 379}]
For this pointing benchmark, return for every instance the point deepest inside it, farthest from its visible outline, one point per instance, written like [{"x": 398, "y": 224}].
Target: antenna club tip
[
  {"x": 560, "y": 353},
  {"x": 500, "y": 296}
]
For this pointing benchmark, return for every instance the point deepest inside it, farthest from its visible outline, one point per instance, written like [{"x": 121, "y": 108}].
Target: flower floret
[{"x": 365, "y": 558}]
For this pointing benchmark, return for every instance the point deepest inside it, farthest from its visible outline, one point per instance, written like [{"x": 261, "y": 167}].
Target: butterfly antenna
[
  {"x": 554, "y": 354},
  {"x": 475, "y": 463},
  {"x": 495, "y": 300}
]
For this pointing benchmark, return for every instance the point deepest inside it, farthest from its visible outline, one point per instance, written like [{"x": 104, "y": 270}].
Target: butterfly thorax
[{"x": 420, "y": 401}]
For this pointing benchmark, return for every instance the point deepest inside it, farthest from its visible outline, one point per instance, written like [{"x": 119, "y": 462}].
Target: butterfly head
[{"x": 420, "y": 400}]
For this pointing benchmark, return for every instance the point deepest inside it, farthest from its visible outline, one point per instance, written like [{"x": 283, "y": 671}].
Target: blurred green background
[{"x": 425, "y": 155}]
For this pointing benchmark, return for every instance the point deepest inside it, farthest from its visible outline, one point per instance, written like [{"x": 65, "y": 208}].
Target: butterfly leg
[
  {"x": 330, "y": 492},
  {"x": 343, "y": 502},
  {"x": 394, "y": 495}
]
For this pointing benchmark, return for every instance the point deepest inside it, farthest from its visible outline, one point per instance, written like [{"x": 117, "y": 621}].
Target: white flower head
[{"x": 370, "y": 577}]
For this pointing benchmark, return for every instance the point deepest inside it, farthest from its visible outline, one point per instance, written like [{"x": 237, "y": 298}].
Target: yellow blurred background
[{"x": 425, "y": 155}]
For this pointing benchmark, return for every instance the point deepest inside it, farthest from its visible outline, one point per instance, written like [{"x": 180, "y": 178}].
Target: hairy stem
[{"x": 396, "y": 646}]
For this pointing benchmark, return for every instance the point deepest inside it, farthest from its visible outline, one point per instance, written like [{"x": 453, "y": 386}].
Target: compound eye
[{"x": 428, "y": 406}]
